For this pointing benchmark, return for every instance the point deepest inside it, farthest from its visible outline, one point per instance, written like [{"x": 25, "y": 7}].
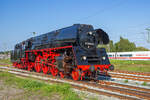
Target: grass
[
  {"x": 144, "y": 84},
  {"x": 131, "y": 65},
  {"x": 5, "y": 62},
  {"x": 1, "y": 88},
  {"x": 125, "y": 81},
  {"x": 93, "y": 98},
  {"x": 129, "y": 62},
  {"x": 137, "y": 83},
  {"x": 64, "y": 90}
]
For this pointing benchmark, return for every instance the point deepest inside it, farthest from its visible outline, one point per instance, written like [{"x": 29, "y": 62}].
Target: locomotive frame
[{"x": 66, "y": 55}]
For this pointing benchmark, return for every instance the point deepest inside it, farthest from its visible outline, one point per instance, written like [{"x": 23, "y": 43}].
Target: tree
[
  {"x": 124, "y": 45},
  {"x": 141, "y": 49},
  {"x": 111, "y": 46}
]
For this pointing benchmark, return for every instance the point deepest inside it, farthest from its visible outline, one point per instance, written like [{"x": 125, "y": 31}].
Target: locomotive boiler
[{"x": 67, "y": 52}]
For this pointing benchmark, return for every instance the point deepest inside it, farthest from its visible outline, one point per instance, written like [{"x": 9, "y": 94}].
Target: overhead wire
[{"x": 101, "y": 11}]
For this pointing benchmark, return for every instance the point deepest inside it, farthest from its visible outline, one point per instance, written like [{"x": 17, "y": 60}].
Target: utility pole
[
  {"x": 34, "y": 33},
  {"x": 148, "y": 31}
]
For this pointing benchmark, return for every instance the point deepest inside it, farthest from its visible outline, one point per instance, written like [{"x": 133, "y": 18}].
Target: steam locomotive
[{"x": 67, "y": 52}]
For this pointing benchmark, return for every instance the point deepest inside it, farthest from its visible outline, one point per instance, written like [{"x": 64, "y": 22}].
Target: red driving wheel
[
  {"x": 61, "y": 74},
  {"x": 29, "y": 67},
  {"x": 53, "y": 71},
  {"x": 45, "y": 69},
  {"x": 76, "y": 75},
  {"x": 38, "y": 65}
]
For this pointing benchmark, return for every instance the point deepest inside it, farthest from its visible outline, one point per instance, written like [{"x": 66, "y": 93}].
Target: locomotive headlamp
[
  {"x": 90, "y": 33},
  {"x": 84, "y": 57},
  {"x": 103, "y": 57}
]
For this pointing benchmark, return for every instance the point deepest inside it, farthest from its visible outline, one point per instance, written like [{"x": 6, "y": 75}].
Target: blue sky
[{"x": 127, "y": 18}]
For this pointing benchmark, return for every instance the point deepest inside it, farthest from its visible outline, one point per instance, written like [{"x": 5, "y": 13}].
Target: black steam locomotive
[{"x": 67, "y": 52}]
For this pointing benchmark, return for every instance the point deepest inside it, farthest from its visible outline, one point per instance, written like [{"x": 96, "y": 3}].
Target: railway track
[
  {"x": 132, "y": 73},
  {"x": 134, "y": 77},
  {"x": 101, "y": 87}
]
